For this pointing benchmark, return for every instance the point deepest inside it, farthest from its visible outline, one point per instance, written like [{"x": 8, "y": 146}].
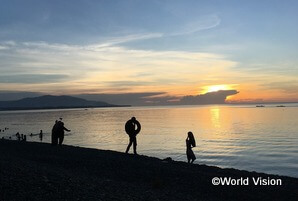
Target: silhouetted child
[
  {"x": 132, "y": 128},
  {"x": 190, "y": 142},
  {"x": 40, "y": 135},
  {"x": 18, "y": 136}
]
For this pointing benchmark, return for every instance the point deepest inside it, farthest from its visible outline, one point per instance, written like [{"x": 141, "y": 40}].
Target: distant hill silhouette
[{"x": 51, "y": 102}]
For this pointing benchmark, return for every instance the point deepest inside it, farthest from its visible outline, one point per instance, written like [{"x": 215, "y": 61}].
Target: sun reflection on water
[{"x": 215, "y": 117}]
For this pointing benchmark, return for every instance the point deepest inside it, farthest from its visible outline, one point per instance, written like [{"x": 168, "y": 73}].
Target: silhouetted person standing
[
  {"x": 40, "y": 135},
  {"x": 18, "y": 136},
  {"x": 60, "y": 131},
  {"x": 190, "y": 142},
  {"x": 55, "y": 133},
  {"x": 132, "y": 128}
]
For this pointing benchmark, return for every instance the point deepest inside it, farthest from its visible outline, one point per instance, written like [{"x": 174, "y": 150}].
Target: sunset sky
[{"x": 166, "y": 49}]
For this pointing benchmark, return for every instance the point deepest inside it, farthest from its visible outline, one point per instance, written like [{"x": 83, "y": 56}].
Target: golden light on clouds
[{"x": 214, "y": 88}]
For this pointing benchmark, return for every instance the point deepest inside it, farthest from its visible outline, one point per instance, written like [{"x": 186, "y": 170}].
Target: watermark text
[{"x": 245, "y": 181}]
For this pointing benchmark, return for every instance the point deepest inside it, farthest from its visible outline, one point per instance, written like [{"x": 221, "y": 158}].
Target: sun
[{"x": 214, "y": 88}]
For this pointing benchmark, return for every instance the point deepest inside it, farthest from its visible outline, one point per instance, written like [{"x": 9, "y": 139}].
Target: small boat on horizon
[{"x": 260, "y": 106}]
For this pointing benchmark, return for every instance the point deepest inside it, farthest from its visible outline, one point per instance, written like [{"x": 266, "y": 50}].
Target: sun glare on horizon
[{"x": 214, "y": 88}]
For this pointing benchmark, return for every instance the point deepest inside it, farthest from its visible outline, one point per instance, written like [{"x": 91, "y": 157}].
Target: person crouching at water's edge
[
  {"x": 190, "y": 142},
  {"x": 132, "y": 128}
]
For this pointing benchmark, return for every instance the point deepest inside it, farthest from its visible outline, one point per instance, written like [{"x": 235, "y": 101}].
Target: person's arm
[{"x": 66, "y": 129}]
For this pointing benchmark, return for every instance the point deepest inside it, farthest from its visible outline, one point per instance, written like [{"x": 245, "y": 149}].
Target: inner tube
[
  {"x": 130, "y": 127},
  {"x": 138, "y": 127}
]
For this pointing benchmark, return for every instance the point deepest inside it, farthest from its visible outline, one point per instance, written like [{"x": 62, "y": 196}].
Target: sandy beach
[{"x": 38, "y": 171}]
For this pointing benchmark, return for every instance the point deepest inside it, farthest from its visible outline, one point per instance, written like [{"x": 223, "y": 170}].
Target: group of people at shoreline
[
  {"x": 132, "y": 128},
  {"x": 23, "y": 137}
]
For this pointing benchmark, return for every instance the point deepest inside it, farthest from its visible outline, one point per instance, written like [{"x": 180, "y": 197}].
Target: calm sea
[{"x": 243, "y": 137}]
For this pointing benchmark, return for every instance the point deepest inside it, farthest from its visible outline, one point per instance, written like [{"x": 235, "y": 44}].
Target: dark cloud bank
[
  {"x": 154, "y": 98},
  {"x": 217, "y": 97}
]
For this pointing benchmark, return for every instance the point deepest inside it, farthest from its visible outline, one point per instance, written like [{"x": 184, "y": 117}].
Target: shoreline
[
  {"x": 165, "y": 158},
  {"x": 38, "y": 171}
]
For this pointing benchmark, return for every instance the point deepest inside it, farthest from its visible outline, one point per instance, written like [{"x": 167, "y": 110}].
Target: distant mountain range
[{"x": 51, "y": 102}]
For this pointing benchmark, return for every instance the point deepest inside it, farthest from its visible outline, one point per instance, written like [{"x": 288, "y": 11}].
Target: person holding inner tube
[{"x": 132, "y": 128}]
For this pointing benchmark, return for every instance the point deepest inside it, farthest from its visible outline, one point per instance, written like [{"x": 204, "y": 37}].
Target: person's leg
[
  {"x": 54, "y": 139},
  {"x": 135, "y": 145},
  {"x": 129, "y": 145},
  {"x": 193, "y": 157},
  {"x": 61, "y": 138},
  {"x": 188, "y": 156}
]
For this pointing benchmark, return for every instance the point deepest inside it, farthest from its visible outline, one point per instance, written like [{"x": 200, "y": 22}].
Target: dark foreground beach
[{"x": 38, "y": 171}]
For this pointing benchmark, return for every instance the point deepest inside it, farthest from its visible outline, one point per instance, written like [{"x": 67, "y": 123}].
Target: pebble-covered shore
[{"x": 38, "y": 171}]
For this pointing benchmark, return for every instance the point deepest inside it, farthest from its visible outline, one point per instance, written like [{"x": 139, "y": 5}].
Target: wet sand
[{"x": 38, "y": 171}]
